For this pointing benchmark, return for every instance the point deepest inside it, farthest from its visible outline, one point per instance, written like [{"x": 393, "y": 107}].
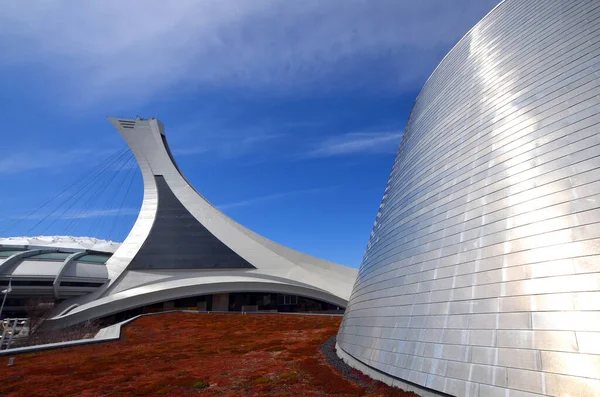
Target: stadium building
[{"x": 182, "y": 252}]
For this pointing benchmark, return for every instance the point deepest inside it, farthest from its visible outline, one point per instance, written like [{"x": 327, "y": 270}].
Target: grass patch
[
  {"x": 201, "y": 385},
  {"x": 261, "y": 380},
  {"x": 290, "y": 375}
]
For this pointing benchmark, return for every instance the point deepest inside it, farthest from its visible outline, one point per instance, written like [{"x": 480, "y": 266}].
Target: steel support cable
[
  {"x": 94, "y": 171},
  {"x": 81, "y": 213},
  {"x": 69, "y": 203},
  {"x": 89, "y": 202},
  {"x": 132, "y": 175},
  {"x": 113, "y": 197},
  {"x": 85, "y": 208},
  {"x": 88, "y": 198},
  {"x": 86, "y": 183},
  {"x": 95, "y": 223},
  {"x": 99, "y": 219},
  {"x": 95, "y": 199},
  {"x": 74, "y": 197},
  {"x": 49, "y": 200},
  {"x": 94, "y": 182}
]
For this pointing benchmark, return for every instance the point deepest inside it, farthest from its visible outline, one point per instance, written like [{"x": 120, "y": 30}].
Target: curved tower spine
[{"x": 482, "y": 274}]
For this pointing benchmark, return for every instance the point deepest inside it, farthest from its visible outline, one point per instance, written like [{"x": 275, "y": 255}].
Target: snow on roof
[{"x": 89, "y": 243}]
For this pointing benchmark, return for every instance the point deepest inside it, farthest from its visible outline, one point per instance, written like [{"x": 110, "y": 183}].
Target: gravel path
[{"x": 328, "y": 348}]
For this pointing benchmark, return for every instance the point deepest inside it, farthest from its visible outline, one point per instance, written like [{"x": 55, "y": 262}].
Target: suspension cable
[
  {"x": 77, "y": 191},
  {"x": 89, "y": 203},
  {"x": 78, "y": 179},
  {"x": 100, "y": 220}
]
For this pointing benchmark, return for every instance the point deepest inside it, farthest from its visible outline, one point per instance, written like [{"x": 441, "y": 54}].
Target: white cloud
[
  {"x": 190, "y": 151},
  {"x": 45, "y": 159},
  {"x": 135, "y": 49},
  {"x": 358, "y": 143},
  {"x": 225, "y": 142},
  {"x": 270, "y": 197},
  {"x": 100, "y": 213},
  {"x": 83, "y": 214}
]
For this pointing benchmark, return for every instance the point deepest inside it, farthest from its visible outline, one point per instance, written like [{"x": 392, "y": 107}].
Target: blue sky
[{"x": 284, "y": 114}]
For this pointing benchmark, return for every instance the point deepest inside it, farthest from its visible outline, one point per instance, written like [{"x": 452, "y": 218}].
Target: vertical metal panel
[{"x": 485, "y": 253}]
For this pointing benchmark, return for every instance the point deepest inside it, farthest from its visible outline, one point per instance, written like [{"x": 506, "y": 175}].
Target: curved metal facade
[{"x": 482, "y": 273}]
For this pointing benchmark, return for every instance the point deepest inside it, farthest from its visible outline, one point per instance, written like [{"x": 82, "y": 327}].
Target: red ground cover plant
[{"x": 187, "y": 354}]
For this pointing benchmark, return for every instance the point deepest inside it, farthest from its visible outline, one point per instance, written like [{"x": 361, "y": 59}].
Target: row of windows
[
  {"x": 287, "y": 299},
  {"x": 49, "y": 283}
]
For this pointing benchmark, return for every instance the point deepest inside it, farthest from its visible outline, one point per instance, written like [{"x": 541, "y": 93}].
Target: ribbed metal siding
[{"x": 482, "y": 272}]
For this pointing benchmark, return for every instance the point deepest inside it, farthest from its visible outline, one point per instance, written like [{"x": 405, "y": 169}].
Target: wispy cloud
[
  {"x": 83, "y": 214},
  {"x": 256, "y": 139},
  {"x": 224, "y": 142},
  {"x": 125, "y": 49},
  {"x": 357, "y": 143},
  {"x": 34, "y": 159},
  {"x": 102, "y": 213},
  {"x": 190, "y": 151},
  {"x": 270, "y": 197}
]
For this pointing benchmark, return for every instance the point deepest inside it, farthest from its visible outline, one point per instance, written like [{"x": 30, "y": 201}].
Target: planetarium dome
[{"x": 482, "y": 273}]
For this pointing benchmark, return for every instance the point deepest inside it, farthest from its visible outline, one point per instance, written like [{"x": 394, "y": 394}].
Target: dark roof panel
[{"x": 178, "y": 241}]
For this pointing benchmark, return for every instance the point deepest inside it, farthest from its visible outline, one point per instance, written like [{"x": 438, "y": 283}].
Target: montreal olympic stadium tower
[
  {"x": 482, "y": 273},
  {"x": 182, "y": 253}
]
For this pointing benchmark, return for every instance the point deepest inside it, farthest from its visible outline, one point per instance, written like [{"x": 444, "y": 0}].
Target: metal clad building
[{"x": 482, "y": 274}]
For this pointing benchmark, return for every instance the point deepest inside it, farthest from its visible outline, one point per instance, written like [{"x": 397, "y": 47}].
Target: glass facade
[
  {"x": 249, "y": 302},
  {"x": 5, "y": 252},
  {"x": 54, "y": 256},
  {"x": 481, "y": 276},
  {"x": 94, "y": 258}
]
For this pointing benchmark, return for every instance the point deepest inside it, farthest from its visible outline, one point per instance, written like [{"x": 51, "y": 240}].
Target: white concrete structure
[
  {"x": 182, "y": 246},
  {"x": 52, "y": 267},
  {"x": 62, "y": 242}
]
